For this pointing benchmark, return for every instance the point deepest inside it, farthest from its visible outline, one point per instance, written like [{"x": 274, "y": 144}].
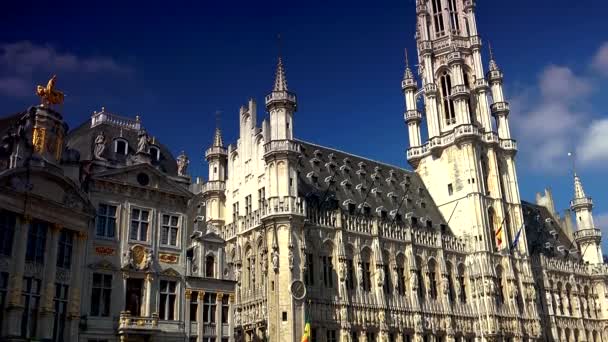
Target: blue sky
[{"x": 176, "y": 65}]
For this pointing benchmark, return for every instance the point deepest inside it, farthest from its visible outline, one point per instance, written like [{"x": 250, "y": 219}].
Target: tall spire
[
  {"x": 493, "y": 65},
  {"x": 280, "y": 81},
  {"x": 408, "y": 75},
  {"x": 217, "y": 138},
  {"x": 579, "y": 192}
]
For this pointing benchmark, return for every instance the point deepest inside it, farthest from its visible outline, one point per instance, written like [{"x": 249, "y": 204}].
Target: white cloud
[
  {"x": 593, "y": 149},
  {"x": 600, "y": 61},
  {"x": 20, "y": 60},
  {"x": 561, "y": 84},
  {"x": 601, "y": 222},
  {"x": 555, "y": 117},
  {"x": 548, "y": 118}
]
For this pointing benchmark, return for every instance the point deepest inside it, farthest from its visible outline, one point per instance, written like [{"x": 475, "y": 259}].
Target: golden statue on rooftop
[{"x": 48, "y": 94}]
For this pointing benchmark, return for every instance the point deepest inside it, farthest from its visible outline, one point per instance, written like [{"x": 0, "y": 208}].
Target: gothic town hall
[{"x": 104, "y": 235}]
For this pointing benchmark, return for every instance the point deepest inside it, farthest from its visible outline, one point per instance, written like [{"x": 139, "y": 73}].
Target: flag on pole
[
  {"x": 516, "y": 240},
  {"x": 306, "y": 335},
  {"x": 499, "y": 237}
]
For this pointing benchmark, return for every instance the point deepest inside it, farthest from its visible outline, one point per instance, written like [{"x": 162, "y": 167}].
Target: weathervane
[{"x": 48, "y": 95}]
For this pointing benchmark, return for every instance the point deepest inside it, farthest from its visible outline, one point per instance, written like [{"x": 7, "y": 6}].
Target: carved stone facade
[{"x": 101, "y": 244}]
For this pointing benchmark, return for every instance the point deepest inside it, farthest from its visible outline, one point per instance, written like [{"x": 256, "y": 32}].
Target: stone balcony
[
  {"x": 430, "y": 89},
  {"x": 425, "y": 47},
  {"x": 278, "y": 206},
  {"x": 104, "y": 117},
  {"x": 409, "y": 83},
  {"x": 215, "y": 151},
  {"x": 459, "y": 133},
  {"x": 495, "y": 76},
  {"x": 280, "y": 97},
  {"x": 214, "y": 186},
  {"x": 481, "y": 85},
  {"x": 412, "y": 115},
  {"x": 475, "y": 42},
  {"x": 133, "y": 324},
  {"x": 460, "y": 91},
  {"x": 281, "y": 146},
  {"x": 581, "y": 202},
  {"x": 455, "y": 57},
  {"x": 508, "y": 144},
  {"x": 499, "y": 108},
  {"x": 588, "y": 234}
]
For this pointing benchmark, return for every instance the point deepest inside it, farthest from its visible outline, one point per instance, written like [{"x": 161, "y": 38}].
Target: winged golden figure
[{"x": 48, "y": 94}]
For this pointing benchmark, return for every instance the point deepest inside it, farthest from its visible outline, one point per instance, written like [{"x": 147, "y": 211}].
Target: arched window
[
  {"x": 447, "y": 104},
  {"x": 493, "y": 223},
  {"x": 453, "y": 15},
  {"x": 462, "y": 284},
  {"x": 560, "y": 299},
  {"x": 438, "y": 18},
  {"x": 421, "y": 289},
  {"x": 209, "y": 266},
  {"x": 401, "y": 274},
  {"x": 350, "y": 269},
  {"x": 432, "y": 275},
  {"x": 569, "y": 296},
  {"x": 365, "y": 269},
  {"x": 327, "y": 266},
  {"x": 500, "y": 289},
  {"x": 451, "y": 292},
  {"x": 472, "y": 104},
  {"x": 486, "y": 174},
  {"x": 121, "y": 146},
  {"x": 387, "y": 286}
]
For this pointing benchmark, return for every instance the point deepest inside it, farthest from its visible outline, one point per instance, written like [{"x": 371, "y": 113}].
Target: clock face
[{"x": 298, "y": 290}]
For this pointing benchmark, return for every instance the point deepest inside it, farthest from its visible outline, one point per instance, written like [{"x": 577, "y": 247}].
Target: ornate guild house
[{"x": 104, "y": 236}]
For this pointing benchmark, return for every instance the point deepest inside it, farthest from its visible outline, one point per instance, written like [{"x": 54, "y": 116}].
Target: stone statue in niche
[
  {"x": 143, "y": 142},
  {"x": 182, "y": 164},
  {"x": 100, "y": 146},
  {"x": 275, "y": 260}
]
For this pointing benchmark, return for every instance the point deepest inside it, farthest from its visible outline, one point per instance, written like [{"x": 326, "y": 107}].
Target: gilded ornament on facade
[
  {"x": 39, "y": 139},
  {"x": 168, "y": 258},
  {"x": 105, "y": 250},
  {"x": 138, "y": 255},
  {"x": 49, "y": 95}
]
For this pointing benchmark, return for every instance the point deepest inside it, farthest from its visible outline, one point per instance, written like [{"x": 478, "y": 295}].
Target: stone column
[
  {"x": 75, "y": 291},
  {"x": 14, "y": 304},
  {"x": 47, "y": 309},
  {"x": 149, "y": 302},
  {"x": 200, "y": 325},
  {"x": 186, "y": 319},
  {"x": 218, "y": 315}
]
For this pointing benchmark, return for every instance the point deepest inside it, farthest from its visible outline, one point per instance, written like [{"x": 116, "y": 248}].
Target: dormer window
[
  {"x": 121, "y": 146},
  {"x": 154, "y": 153}
]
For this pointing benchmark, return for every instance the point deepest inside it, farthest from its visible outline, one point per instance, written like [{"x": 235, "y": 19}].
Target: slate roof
[
  {"x": 545, "y": 234},
  {"x": 82, "y": 139},
  {"x": 360, "y": 180}
]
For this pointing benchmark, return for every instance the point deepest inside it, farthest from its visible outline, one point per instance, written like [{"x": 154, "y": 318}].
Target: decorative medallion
[
  {"x": 168, "y": 258},
  {"x": 138, "y": 255},
  {"x": 105, "y": 250}
]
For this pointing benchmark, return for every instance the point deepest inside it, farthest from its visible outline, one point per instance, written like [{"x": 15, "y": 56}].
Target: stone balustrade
[
  {"x": 412, "y": 115},
  {"x": 581, "y": 202},
  {"x": 214, "y": 186},
  {"x": 500, "y": 108},
  {"x": 280, "y": 96},
  {"x": 115, "y": 120},
  {"x": 215, "y": 150},
  {"x": 128, "y": 322},
  {"x": 281, "y": 146}
]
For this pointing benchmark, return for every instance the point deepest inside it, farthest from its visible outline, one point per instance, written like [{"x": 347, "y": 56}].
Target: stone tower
[
  {"x": 282, "y": 219},
  {"x": 468, "y": 166},
  {"x": 587, "y": 236},
  {"x": 467, "y": 161},
  {"x": 214, "y": 189}
]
